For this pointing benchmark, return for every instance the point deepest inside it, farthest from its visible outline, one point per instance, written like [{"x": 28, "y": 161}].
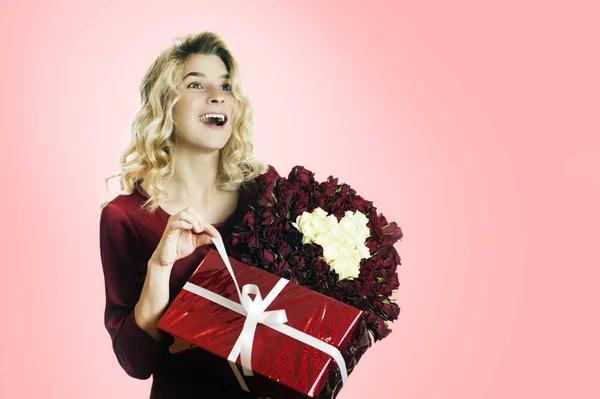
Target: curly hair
[{"x": 149, "y": 157}]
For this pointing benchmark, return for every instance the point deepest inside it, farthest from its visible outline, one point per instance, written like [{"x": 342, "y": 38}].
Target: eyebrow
[{"x": 201, "y": 75}]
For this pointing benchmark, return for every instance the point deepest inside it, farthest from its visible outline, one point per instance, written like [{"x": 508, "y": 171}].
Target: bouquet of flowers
[{"x": 323, "y": 236}]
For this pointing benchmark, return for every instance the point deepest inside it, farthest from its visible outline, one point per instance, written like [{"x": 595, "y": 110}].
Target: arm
[
  {"x": 154, "y": 299},
  {"x": 139, "y": 352}
]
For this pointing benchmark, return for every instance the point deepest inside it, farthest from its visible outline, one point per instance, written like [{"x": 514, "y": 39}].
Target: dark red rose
[
  {"x": 391, "y": 268},
  {"x": 300, "y": 204},
  {"x": 391, "y": 234},
  {"x": 284, "y": 225},
  {"x": 249, "y": 219},
  {"x": 385, "y": 288},
  {"x": 253, "y": 241},
  {"x": 379, "y": 263},
  {"x": 280, "y": 267},
  {"x": 267, "y": 216},
  {"x": 286, "y": 191},
  {"x": 312, "y": 252},
  {"x": 296, "y": 260},
  {"x": 267, "y": 257},
  {"x": 301, "y": 267},
  {"x": 335, "y": 294},
  {"x": 265, "y": 201},
  {"x": 321, "y": 282},
  {"x": 236, "y": 239},
  {"x": 372, "y": 244},
  {"x": 376, "y": 225},
  {"x": 381, "y": 220},
  {"x": 393, "y": 281},
  {"x": 389, "y": 254},
  {"x": 299, "y": 274},
  {"x": 345, "y": 191},
  {"x": 377, "y": 326},
  {"x": 284, "y": 249},
  {"x": 321, "y": 202},
  {"x": 301, "y": 176},
  {"x": 247, "y": 260},
  {"x": 391, "y": 310},
  {"x": 362, "y": 205},
  {"x": 326, "y": 189},
  {"x": 281, "y": 210},
  {"x": 367, "y": 269},
  {"x": 332, "y": 180},
  {"x": 371, "y": 286},
  {"x": 321, "y": 267},
  {"x": 355, "y": 290},
  {"x": 270, "y": 235},
  {"x": 339, "y": 209},
  {"x": 332, "y": 278},
  {"x": 270, "y": 175},
  {"x": 266, "y": 182},
  {"x": 294, "y": 237},
  {"x": 372, "y": 320}
]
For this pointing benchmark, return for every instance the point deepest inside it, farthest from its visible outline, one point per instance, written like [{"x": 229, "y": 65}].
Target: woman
[{"x": 186, "y": 176}]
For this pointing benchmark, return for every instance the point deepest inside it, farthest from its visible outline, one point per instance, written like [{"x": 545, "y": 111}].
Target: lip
[
  {"x": 215, "y": 112},
  {"x": 214, "y": 127}
]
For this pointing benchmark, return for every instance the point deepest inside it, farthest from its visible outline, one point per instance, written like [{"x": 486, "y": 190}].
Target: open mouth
[{"x": 213, "y": 119}]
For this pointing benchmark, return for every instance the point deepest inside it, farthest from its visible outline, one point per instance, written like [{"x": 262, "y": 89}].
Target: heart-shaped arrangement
[
  {"x": 324, "y": 236},
  {"x": 343, "y": 242}
]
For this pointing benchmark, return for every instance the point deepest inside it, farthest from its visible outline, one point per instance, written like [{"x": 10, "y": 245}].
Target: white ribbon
[{"x": 254, "y": 310}]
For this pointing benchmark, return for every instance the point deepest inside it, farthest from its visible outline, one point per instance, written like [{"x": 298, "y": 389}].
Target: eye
[{"x": 200, "y": 84}]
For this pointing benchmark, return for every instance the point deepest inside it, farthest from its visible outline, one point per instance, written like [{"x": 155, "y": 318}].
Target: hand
[{"x": 185, "y": 231}]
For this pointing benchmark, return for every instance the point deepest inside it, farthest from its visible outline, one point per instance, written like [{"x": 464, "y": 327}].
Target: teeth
[{"x": 206, "y": 116}]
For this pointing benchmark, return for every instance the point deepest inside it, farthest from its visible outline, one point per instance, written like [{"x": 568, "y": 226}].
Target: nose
[{"x": 216, "y": 96}]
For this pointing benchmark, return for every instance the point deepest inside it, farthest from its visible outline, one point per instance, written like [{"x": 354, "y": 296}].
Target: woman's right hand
[{"x": 185, "y": 231}]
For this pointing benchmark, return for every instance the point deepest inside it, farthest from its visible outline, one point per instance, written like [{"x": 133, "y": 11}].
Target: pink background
[{"x": 475, "y": 127}]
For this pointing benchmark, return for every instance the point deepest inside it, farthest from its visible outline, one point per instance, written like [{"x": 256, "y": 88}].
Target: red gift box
[{"x": 282, "y": 365}]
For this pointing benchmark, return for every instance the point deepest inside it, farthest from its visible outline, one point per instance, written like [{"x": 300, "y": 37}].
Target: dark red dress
[{"x": 128, "y": 238}]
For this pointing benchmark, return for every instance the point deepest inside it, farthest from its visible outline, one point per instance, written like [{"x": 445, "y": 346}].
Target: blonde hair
[{"x": 149, "y": 157}]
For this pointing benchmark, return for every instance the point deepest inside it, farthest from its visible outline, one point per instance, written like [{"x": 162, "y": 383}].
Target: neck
[{"x": 195, "y": 177}]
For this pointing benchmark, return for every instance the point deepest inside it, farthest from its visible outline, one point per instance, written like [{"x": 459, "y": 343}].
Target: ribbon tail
[
  {"x": 239, "y": 376},
  {"x": 247, "y": 339},
  {"x": 233, "y": 355}
]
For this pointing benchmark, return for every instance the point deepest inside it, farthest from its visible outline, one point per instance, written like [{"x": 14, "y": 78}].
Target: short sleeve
[{"x": 137, "y": 352}]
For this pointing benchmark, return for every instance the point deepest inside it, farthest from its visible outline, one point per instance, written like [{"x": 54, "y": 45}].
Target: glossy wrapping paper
[{"x": 283, "y": 367}]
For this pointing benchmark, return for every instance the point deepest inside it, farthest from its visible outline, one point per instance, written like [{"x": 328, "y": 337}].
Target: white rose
[{"x": 330, "y": 252}]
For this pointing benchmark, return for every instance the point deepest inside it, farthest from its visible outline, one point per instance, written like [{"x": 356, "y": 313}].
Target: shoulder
[
  {"x": 122, "y": 204},
  {"x": 124, "y": 209},
  {"x": 124, "y": 218}
]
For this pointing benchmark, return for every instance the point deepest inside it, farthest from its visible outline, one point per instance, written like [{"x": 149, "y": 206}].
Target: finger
[
  {"x": 206, "y": 227},
  {"x": 193, "y": 212},
  {"x": 190, "y": 218},
  {"x": 202, "y": 239},
  {"x": 212, "y": 230},
  {"x": 182, "y": 224}
]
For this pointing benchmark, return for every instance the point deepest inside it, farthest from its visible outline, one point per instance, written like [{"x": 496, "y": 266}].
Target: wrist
[{"x": 155, "y": 265}]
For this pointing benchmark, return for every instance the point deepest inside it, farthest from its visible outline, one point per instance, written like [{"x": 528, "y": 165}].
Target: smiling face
[{"x": 204, "y": 89}]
